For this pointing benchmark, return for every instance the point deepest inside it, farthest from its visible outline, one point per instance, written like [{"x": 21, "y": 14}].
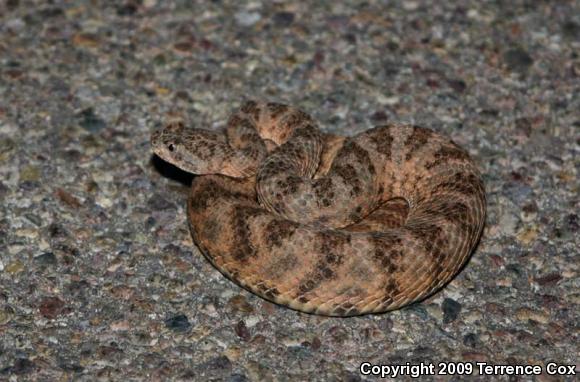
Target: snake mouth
[{"x": 163, "y": 148}]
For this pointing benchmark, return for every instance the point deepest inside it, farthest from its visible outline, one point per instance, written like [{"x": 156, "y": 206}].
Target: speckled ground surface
[{"x": 98, "y": 275}]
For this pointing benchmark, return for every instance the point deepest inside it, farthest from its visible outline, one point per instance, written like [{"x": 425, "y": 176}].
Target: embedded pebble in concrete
[{"x": 98, "y": 275}]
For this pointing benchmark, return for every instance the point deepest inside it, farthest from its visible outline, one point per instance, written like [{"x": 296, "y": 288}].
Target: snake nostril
[{"x": 171, "y": 147}]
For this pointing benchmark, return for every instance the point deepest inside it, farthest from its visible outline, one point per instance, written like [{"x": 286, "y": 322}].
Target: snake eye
[{"x": 170, "y": 147}]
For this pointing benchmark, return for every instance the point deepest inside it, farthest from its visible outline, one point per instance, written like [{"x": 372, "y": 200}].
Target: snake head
[{"x": 193, "y": 150}]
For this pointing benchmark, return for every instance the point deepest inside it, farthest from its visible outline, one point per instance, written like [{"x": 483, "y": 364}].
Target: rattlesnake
[{"x": 325, "y": 224}]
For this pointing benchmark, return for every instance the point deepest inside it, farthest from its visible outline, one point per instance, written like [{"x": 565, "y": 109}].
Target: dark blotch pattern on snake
[{"x": 326, "y": 224}]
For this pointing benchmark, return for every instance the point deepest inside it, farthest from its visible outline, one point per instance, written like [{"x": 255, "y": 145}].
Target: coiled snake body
[{"x": 326, "y": 224}]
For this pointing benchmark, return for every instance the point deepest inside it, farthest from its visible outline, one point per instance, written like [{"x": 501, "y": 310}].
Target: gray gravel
[{"x": 99, "y": 278}]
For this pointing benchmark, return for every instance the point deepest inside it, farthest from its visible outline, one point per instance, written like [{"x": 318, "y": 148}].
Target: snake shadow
[{"x": 170, "y": 171}]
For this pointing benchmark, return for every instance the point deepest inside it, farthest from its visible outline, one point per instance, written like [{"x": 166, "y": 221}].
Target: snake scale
[{"x": 327, "y": 224}]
